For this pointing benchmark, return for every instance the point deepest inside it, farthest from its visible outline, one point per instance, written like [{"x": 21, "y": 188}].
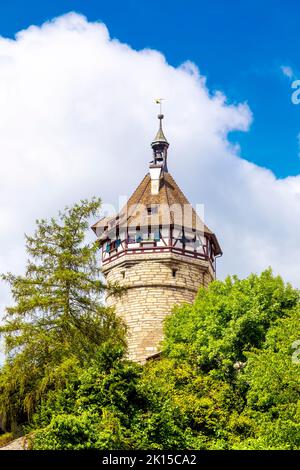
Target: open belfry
[{"x": 160, "y": 249}]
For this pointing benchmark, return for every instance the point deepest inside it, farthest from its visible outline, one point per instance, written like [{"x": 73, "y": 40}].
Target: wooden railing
[{"x": 128, "y": 249}]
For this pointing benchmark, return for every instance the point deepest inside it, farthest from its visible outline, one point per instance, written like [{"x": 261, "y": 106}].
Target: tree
[
  {"x": 58, "y": 321},
  {"x": 94, "y": 411},
  {"x": 227, "y": 319},
  {"x": 273, "y": 382},
  {"x": 228, "y": 366},
  {"x": 226, "y": 380}
]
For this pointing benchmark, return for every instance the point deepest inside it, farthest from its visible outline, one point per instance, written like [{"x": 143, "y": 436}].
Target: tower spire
[{"x": 160, "y": 144}]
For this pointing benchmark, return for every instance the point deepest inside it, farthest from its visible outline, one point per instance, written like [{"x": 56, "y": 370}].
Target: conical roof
[
  {"x": 160, "y": 136},
  {"x": 173, "y": 208}
]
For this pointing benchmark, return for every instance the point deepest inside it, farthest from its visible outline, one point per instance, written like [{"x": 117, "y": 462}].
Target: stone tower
[{"x": 158, "y": 248}]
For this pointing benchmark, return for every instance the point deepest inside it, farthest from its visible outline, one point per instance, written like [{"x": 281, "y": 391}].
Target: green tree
[
  {"x": 226, "y": 380},
  {"x": 272, "y": 376},
  {"x": 227, "y": 320},
  {"x": 58, "y": 321},
  {"x": 240, "y": 388},
  {"x": 95, "y": 409}
]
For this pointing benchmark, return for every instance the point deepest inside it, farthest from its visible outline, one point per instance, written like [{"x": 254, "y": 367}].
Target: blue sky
[{"x": 239, "y": 45}]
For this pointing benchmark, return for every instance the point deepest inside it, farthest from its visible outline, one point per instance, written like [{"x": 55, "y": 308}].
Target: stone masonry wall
[{"x": 155, "y": 284}]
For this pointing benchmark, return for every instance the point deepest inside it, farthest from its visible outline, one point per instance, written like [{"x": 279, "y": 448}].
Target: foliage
[
  {"x": 92, "y": 412},
  {"x": 226, "y": 378},
  {"x": 58, "y": 322},
  {"x": 273, "y": 381},
  {"x": 239, "y": 334},
  {"x": 5, "y": 438},
  {"x": 227, "y": 320}
]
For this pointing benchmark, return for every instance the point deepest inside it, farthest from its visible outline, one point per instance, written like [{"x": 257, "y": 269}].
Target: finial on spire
[{"x": 160, "y": 144}]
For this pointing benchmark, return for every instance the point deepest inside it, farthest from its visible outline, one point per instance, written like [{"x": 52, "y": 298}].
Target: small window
[
  {"x": 138, "y": 236},
  {"x": 123, "y": 274},
  {"x": 174, "y": 271},
  {"x": 152, "y": 210},
  {"x": 157, "y": 235}
]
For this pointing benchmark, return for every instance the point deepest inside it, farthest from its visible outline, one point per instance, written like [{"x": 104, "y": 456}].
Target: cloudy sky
[{"x": 77, "y": 116}]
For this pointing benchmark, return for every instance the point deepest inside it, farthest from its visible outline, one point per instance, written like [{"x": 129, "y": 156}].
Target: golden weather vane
[{"x": 159, "y": 101}]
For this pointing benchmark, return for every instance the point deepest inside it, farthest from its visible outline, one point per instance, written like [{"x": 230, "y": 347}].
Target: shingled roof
[
  {"x": 170, "y": 198},
  {"x": 172, "y": 208}
]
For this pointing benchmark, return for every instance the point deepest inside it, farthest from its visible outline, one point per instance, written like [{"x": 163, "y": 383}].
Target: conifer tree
[{"x": 58, "y": 321}]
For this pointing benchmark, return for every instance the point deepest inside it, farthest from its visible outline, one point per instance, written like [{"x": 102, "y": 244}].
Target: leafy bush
[
  {"x": 225, "y": 380},
  {"x": 5, "y": 438}
]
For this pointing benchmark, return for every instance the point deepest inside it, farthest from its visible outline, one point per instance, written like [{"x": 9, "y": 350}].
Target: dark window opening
[
  {"x": 112, "y": 245},
  {"x": 152, "y": 210}
]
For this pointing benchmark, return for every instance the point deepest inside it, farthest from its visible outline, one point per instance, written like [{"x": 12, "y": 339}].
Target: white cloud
[
  {"x": 77, "y": 118},
  {"x": 287, "y": 71}
]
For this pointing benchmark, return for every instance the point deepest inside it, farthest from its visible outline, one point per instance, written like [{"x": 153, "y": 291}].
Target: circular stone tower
[{"x": 160, "y": 249}]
